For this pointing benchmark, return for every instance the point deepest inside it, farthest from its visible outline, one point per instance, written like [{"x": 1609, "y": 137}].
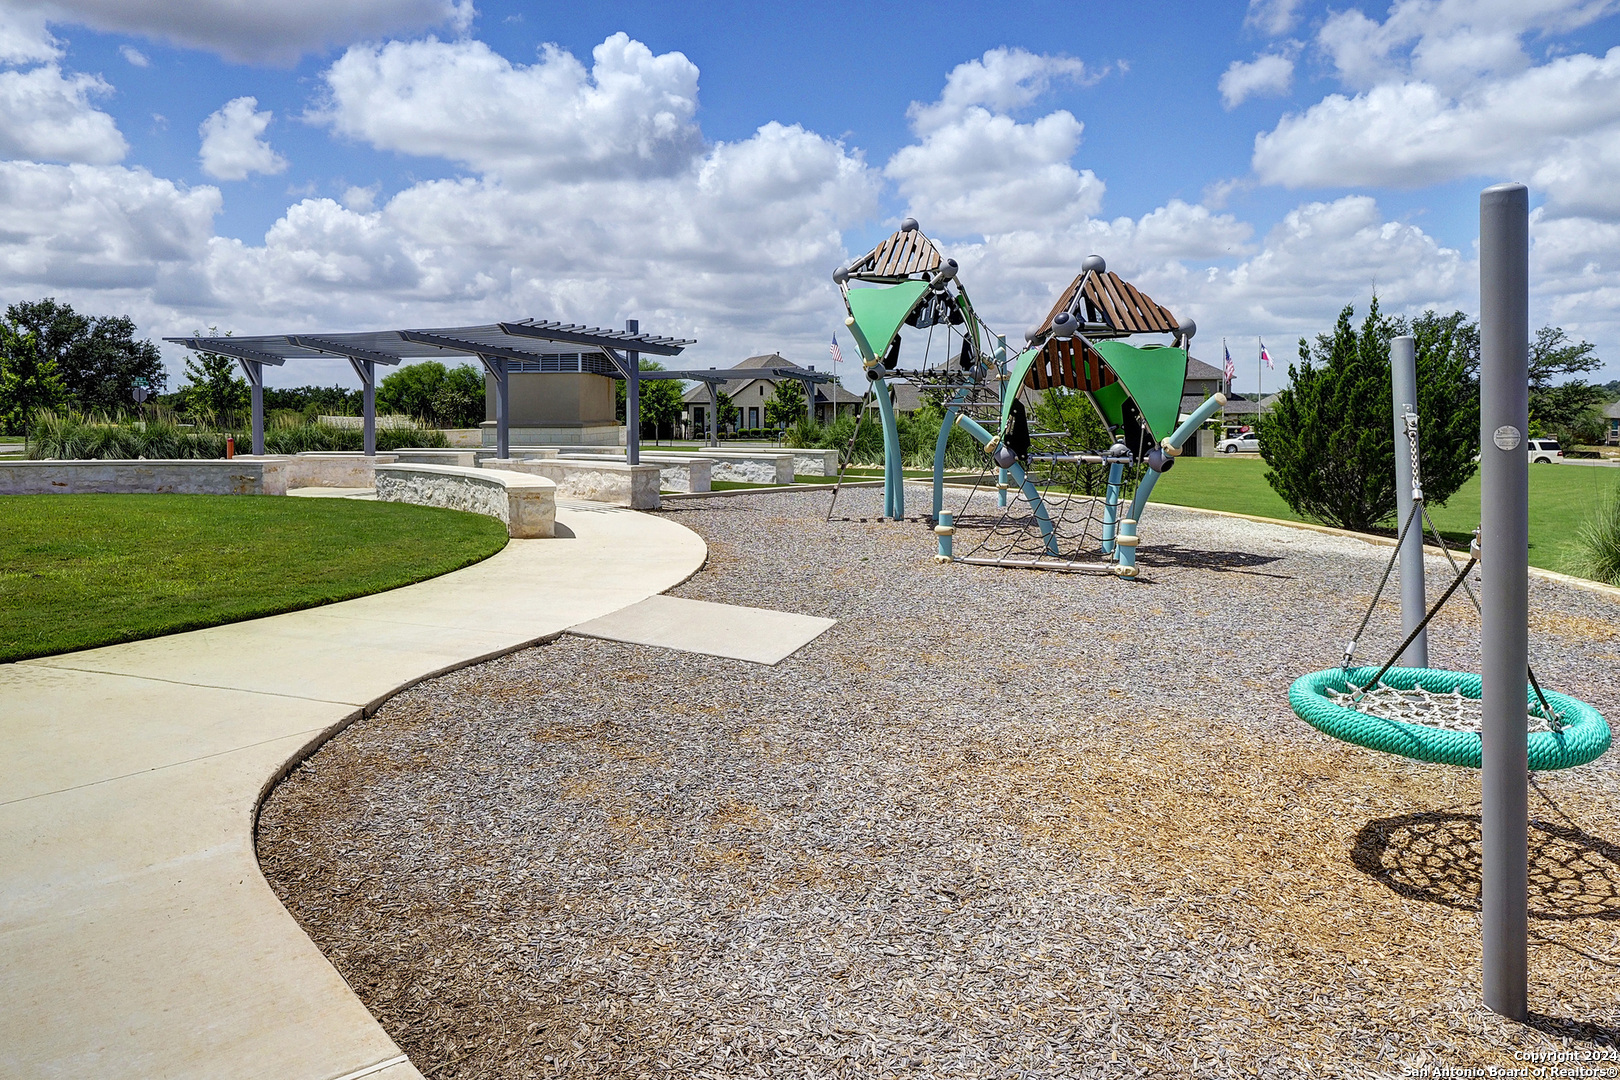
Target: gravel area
[{"x": 994, "y": 823}]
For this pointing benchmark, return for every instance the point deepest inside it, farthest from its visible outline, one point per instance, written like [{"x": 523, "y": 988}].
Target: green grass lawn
[
  {"x": 1561, "y": 496},
  {"x": 77, "y": 571}
]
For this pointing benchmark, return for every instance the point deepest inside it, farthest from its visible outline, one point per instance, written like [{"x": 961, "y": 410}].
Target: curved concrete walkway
[{"x": 137, "y": 935}]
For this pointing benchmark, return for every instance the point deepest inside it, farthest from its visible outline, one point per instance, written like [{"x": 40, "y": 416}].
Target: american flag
[
  {"x": 838, "y": 357},
  {"x": 1265, "y": 355},
  {"x": 1231, "y": 368}
]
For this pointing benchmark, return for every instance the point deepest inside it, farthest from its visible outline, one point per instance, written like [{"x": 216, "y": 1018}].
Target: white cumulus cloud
[
  {"x": 1270, "y": 75},
  {"x": 976, "y": 169},
  {"x": 24, "y": 38},
  {"x": 134, "y": 57},
  {"x": 233, "y": 143},
  {"x": 630, "y": 114},
  {"x": 46, "y": 115}
]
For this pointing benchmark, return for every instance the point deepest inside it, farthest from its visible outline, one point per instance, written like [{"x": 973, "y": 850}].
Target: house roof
[
  {"x": 699, "y": 394},
  {"x": 1612, "y": 410},
  {"x": 1198, "y": 371}
]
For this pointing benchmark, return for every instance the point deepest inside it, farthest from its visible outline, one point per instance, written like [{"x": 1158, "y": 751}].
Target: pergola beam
[{"x": 576, "y": 334}]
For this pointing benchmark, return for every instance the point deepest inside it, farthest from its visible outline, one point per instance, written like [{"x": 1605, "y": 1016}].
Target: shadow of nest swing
[{"x": 1434, "y": 857}]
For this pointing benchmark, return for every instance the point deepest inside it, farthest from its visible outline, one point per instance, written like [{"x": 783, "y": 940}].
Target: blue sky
[{"x": 703, "y": 167}]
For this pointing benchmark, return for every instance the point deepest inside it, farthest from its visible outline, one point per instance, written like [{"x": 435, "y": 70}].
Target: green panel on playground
[
  {"x": 1152, "y": 375},
  {"x": 879, "y": 313}
]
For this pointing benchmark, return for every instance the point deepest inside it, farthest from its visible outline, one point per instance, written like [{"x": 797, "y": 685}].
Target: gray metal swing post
[
  {"x": 1414, "y": 602},
  {"x": 1504, "y": 332}
]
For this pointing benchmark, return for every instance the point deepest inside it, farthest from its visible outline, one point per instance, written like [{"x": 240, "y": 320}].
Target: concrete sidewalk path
[{"x": 137, "y": 936}]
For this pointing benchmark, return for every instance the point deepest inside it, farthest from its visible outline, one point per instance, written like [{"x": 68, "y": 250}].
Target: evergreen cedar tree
[{"x": 1329, "y": 437}]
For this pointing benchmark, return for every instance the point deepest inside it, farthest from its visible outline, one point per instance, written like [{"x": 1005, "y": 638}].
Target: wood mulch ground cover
[{"x": 993, "y": 824}]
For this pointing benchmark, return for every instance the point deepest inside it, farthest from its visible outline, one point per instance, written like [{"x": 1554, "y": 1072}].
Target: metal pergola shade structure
[{"x": 496, "y": 345}]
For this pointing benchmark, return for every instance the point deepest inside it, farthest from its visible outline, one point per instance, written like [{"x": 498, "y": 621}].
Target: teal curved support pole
[
  {"x": 1116, "y": 476},
  {"x": 1001, "y": 488},
  {"x": 1031, "y": 493},
  {"x": 1144, "y": 487},
  {"x": 951, "y": 413},
  {"x": 894, "y": 494}
]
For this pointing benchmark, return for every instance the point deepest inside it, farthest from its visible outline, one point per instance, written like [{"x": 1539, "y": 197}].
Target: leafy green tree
[
  {"x": 1561, "y": 409},
  {"x": 786, "y": 405},
  {"x": 1062, "y": 409},
  {"x": 411, "y": 389},
  {"x": 1328, "y": 437},
  {"x": 459, "y": 402},
  {"x": 97, "y": 357},
  {"x": 660, "y": 400},
  {"x": 29, "y": 380},
  {"x": 212, "y": 386},
  {"x": 313, "y": 401},
  {"x": 728, "y": 411}
]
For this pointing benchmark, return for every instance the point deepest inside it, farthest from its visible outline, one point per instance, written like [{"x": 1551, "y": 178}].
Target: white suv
[
  {"x": 1545, "y": 451},
  {"x": 1246, "y": 443}
]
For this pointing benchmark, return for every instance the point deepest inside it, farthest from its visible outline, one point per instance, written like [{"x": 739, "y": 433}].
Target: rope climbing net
[
  {"x": 1447, "y": 710},
  {"x": 1060, "y": 518}
]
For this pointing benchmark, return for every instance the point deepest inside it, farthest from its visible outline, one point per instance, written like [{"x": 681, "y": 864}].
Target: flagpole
[{"x": 1259, "y": 381}]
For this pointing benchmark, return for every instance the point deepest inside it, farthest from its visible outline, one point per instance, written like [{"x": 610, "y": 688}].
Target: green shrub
[{"x": 1599, "y": 540}]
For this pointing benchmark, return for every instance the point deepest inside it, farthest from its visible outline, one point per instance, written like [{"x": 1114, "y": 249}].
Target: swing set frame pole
[{"x": 1504, "y": 331}]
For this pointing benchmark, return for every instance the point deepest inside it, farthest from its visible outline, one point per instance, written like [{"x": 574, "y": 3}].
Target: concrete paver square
[{"x": 740, "y": 633}]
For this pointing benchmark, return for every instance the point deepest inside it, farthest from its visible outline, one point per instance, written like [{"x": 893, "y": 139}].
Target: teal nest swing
[{"x": 1435, "y": 715}]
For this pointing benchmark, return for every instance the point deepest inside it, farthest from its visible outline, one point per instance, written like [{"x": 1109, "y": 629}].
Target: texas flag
[{"x": 1266, "y": 356}]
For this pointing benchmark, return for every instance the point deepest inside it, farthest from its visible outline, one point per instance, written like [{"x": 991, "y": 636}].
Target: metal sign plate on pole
[{"x": 1504, "y": 332}]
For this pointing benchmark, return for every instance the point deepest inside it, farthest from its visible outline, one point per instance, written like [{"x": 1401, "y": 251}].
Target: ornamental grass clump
[
  {"x": 69, "y": 436},
  {"x": 1598, "y": 540}
]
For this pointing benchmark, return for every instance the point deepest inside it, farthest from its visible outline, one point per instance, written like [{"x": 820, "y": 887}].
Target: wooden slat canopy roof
[
  {"x": 1109, "y": 300},
  {"x": 901, "y": 255}
]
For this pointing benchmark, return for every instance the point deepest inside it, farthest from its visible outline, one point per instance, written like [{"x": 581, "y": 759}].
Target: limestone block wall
[
  {"x": 591, "y": 479},
  {"x": 218, "y": 476},
  {"x": 737, "y": 466},
  {"x": 815, "y": 462},
  {"x": 527, "y": 504},
  {"x": 333, "y": 470},
  {"x": 465, "y": 459}
]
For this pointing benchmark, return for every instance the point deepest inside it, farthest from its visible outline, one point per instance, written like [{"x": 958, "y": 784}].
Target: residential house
[
  {"x": 1611, "y": 414},
  {"x": 750, "y": 395}
]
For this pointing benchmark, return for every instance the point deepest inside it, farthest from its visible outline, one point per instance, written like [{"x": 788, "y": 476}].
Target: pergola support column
[
  {"x": 714, "y": 412},
  {"x": 255, "y": 377},
  {"x": 367, "y": 370},
  {"x": 496, "y": 366},
  {"x": 632, "y": 399}
]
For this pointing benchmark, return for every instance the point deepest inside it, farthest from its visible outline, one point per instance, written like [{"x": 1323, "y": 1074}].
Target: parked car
[
  {"x": 1545, "y": 452},
  {"x": 1246, "y": 443}
]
